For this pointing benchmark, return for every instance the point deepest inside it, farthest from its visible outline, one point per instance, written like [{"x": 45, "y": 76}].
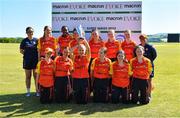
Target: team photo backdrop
[{"x": 119, "y": 16}]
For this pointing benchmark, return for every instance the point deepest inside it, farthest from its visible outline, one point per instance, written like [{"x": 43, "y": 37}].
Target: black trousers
[
  {"x": 46, "y": 94},
  {"x": 101, "y": 90},
  {"x": 119, "y": 92},
  {"x": 62, "y": 88},
  {"x": 81, "y": 90},
  {"x": 130, "y": 88},
  {"x": 90, "y": 79},
  {"x": 110, "y": 79},
  {"x": 139, "y": 87}
]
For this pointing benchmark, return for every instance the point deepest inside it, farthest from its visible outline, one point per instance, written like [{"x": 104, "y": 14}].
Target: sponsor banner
[{"x": 104, "y": 16}]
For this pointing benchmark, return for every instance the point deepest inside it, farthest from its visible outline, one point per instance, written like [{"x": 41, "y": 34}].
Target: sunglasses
[{"x": 30, "y": 31}]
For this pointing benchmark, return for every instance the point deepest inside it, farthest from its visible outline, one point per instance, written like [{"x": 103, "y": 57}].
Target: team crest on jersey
[
  {"x": 122, "y": 70},
  {"x": 48, "y": 66},
  {"x": 141, "y": 66}
]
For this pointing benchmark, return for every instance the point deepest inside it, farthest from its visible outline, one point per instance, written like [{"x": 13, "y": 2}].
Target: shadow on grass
[{"x": 20, "y": 105}]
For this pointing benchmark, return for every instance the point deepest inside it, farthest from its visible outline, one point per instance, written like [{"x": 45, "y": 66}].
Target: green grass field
[{"x": 165, "y": 100}]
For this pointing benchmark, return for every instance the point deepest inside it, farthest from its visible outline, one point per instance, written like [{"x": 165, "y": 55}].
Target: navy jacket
[{"x": 150, "y": 52}]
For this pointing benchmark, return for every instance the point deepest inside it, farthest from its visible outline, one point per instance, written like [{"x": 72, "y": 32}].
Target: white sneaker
[
  {"x": 37, "y": 94},
  {"x": 28, "y": 94},
  {"x": 138, "y": 103}
]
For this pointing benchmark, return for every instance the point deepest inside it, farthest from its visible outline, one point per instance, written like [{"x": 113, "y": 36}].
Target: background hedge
[{"x": 11, "y": 40}]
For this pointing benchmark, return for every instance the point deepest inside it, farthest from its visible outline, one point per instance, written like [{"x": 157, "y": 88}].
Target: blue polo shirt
[
  {"x": 30, "y": 48},
  {"x": 150, "y": 52}
]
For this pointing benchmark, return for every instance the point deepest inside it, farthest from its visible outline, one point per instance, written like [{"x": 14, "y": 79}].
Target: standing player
[
  {"x": 65, "y": 39},
  {"x": 28, "y": 48},
  {"x": 150, "y": 53},
  {"x": 112, "y": 45},
  {"x": 120, "y": 70},
  {"x": 141, "y": 68},
  {"x": 47, "y": 41},
  {"x": 100, "y": 73},
  {"x": 95, "y": 44},
  {"x": 128, "y": 45},
  {"x": 45, "y": 77},
  {"x": 63, "y": 68}
]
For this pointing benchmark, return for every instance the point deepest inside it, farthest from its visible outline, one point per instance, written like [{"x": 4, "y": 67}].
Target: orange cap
[{"x": 143, "y": 36}]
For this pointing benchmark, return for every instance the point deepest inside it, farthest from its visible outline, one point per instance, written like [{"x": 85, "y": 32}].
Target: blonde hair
[
  {"x": 111, "y": 31},
  {"x": 82, "y": 46},
  {"x": 104, "y": 49},
  {"x": 128, "y": 31}
]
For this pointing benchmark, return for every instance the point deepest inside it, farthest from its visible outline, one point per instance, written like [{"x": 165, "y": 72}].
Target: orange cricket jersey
[
  {"x": 64, "y": 42},
  {"x": 128, "y": 49},
  {"x": 120, "y": 74},
  {"x": 95, "y": 47},
  {"x": 63, "y": 67},
  {"x": 100, "y": 69},
  {"x": 47, "y": 43},
  {"x": 46, "y": 71},
  {"x": 141, "y": 70},
  {"x": 112, "y": 48},
  {"x": 80, "y": 67},
  {"x": 74, "y": 43}
]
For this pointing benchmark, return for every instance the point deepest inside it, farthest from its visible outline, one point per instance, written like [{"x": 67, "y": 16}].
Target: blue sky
[{"x": 158, "y": 16}]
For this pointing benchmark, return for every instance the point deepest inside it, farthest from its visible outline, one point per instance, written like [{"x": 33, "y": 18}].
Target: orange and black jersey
[
  {"x": 73, "y": 43},
  {"x": 95, "y": 47},
  {"x": 46, "y": 73},
  {"x": 101, "y": 69},
  {"x": 128, "y": 49},
  {"x": 63, "y": 67},
  {"x": 112, "y": 48},
  {"x": 120, "y": 74},
  {"x": 49, "y": 42},
  {"x": 141, "y": 70},
  {"x": 64, "y": 42},
  {"x": 81, "y": 64}
]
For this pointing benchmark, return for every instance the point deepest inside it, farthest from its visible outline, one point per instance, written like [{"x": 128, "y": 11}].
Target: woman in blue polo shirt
[{"x": 28, "y": 48}]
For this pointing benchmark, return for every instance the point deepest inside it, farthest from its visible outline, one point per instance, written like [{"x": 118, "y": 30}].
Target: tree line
[{"x": 11, "y": 40}]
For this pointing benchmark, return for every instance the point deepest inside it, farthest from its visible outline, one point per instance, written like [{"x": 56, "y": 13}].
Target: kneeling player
[
  {"x": 141, "y": 68},
  {"x": 62, "y": 85},
  {"x": 100, "y": 72},
  {"x": 120, "y": 78},
  {"x": 45, "y": 80}
]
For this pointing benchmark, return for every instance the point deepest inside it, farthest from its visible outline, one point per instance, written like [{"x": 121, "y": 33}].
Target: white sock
[{"x": 28, "y": 90}]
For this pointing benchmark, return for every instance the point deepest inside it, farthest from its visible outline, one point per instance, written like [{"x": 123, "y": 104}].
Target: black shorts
[{"x": 30, "y": 63}]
